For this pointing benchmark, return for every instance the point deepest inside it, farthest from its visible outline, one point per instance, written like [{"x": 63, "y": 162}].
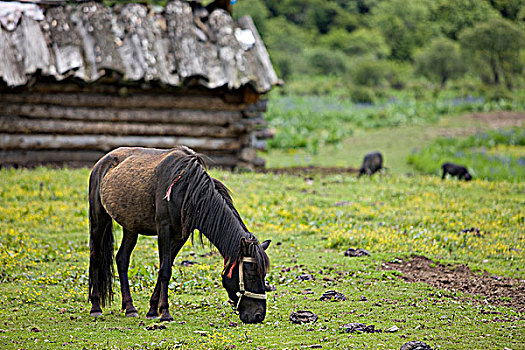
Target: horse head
[{"x": 243, "y": 279}]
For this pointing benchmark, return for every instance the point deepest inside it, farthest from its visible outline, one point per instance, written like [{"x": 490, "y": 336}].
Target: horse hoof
[
  {"x": 167, "y": 319},
  {"x": 152, "y": 317},
  {"x": 95, "y": 313},
  {"x": 132, "y": 314}
]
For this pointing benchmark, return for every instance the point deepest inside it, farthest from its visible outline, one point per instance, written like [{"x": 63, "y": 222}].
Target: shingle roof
[{"x": 184, "y": 42}]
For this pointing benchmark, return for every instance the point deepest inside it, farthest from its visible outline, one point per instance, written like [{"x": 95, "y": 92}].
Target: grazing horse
[
  {"x": 455, "y": 170},
  {"x": 372, "y": 163},
  {"x": 168, "y": 193}
]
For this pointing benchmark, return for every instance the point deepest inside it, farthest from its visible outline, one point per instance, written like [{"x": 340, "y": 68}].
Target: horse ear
[
  {"x": 243, "y": 242},
  {"x": 244, "y": 247},
  {"x": 266, "y": 244}
]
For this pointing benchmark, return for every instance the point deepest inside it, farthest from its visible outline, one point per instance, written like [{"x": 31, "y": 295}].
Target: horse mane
[{"x": 208, "y": 206}]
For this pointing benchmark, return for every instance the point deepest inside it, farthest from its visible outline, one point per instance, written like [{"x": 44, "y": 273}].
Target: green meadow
[
  {"x": 411, "y": 79},
  {"x": 311, "y": 220}
]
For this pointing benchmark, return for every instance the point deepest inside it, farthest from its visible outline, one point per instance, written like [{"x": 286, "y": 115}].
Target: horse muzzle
[{"x": 256, "y": 317}]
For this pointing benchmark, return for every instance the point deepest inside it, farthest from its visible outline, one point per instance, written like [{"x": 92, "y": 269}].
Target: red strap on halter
[{"x": 230, "y": 272}]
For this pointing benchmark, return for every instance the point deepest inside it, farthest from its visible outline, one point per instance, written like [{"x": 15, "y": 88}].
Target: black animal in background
[
  {"x": 455, "y": 170},
  {"x": 372, "y": 163}
]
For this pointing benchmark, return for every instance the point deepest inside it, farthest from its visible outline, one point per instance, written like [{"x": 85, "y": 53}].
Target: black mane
[{"x": 208, "y": 207}]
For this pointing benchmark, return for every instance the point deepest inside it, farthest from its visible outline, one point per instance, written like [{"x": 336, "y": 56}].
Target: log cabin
[{"x": 80, "y": 79}]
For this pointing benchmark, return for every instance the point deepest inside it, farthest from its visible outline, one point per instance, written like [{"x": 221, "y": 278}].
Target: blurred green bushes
[{"x": 366, "y": 41}]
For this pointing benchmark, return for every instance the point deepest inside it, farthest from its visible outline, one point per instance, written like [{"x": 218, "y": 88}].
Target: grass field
[
  {"x": 396, "y": 144},
  {"x": 494, "y": 154},
  {"x": 44, "y": 259}
]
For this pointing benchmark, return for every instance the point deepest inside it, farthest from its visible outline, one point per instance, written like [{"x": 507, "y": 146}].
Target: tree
[
  {"x": 453, "y": 16},
  {"x": 254, "y": 8},
  {"x": 405, "y": 25},
  {"x": 510, "y": 9},
  {"x": 326, "y": 62},
  {"x": 497, "y": 45},
  {"x": 357, "y": 43},
  {"x": 286, "y": 43},
  {"x": 310, "y": 14},
  {"x": 439, "y": 61}
]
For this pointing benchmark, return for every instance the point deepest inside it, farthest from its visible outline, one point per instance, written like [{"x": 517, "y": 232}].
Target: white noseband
[{"x": 243, "y": 292}]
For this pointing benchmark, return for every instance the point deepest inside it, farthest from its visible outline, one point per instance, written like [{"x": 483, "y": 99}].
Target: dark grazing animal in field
[
  {"x": 169, "y": 194},
  {"x": 455, "y": 170},
  {"x": 372, "y": 163}
]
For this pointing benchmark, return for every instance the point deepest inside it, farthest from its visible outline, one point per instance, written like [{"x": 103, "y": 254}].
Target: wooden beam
[
  {"x": 158, "y": 101},
  {"x": 36, "y": 157},
  {"x": 107, "y": 143},
  {"x": 109, "y": 114},
  {"x": 14, "y": 125},
  {"x": 28, "y": 158}
]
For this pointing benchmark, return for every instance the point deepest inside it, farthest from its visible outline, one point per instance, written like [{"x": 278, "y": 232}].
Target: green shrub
[
  {"x": 326, "y": 61},
  {"x": 368, "y": 71},
  {"x": 317, "y": 85},
  {"x": 307, "y": 122},
  {"x": 398, "y": 74},
  {"x": 362, "y": 94},
  {"x": 360, "y": 42},
  {"x": 497, "y": 93},
  {"x": 440, "y": 61}
]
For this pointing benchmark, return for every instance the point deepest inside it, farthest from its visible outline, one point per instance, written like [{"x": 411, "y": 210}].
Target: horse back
[{"x": 128, "y": 189}]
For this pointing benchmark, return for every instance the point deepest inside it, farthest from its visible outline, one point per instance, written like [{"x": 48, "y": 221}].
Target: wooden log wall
[{"x": 67, "y": 125}]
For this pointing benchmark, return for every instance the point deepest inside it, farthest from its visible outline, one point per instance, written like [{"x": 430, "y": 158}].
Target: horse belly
[{"x": 128, "y": 196}]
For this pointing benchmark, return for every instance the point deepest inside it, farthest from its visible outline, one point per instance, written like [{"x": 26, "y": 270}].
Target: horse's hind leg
[
  {"x": 100, "y": 260},
  {"x": 100, "y": 242},
  {"x": 129, "y": 240}
]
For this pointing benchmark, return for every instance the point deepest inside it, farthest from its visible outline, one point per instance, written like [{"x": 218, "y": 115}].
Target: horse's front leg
[
  {"x": 129, "y": 240},
  {"x": 155, "y": 301},
  {"x": 163, "y": 279}
]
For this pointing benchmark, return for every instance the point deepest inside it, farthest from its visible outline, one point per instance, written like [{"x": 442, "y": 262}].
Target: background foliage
[
  {"x": 362, "y": 64},
  {"x": 390, "y": 30}
]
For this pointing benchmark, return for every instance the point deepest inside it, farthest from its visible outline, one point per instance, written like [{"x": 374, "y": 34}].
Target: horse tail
[{"x": 101, "y": 239}]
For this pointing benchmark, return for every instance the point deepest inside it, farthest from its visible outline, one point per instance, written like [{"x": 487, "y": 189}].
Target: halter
[{"x": 242, "y": 292}]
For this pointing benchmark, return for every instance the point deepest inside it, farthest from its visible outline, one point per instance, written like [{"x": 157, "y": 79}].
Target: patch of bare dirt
[
  {"x": 495, "y": 289},
  {"x": 502, "y": 119},
  {"x": 484, "y": 121}
]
